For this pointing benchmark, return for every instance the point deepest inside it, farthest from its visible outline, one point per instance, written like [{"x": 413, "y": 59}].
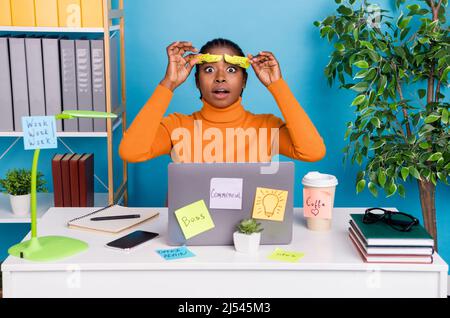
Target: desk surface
[{"x": 331, "y": 250}]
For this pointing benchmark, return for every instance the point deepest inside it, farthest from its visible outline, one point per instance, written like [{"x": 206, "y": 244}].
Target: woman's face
[{"x": 220, "y": 83}]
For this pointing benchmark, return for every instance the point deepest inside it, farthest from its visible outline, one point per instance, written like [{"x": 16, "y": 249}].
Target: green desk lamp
[{"x": 50, "y": 248}]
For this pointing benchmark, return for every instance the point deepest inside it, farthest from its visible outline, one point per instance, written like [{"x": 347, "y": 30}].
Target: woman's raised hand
[
  {"x": 266, "y": 67},
  {"x": 179, "y": 67}
]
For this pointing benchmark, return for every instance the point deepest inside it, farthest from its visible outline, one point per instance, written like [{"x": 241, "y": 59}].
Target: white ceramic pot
[
  {"x": 246, "y": 243},
  {"x": 20, "y": 204}
]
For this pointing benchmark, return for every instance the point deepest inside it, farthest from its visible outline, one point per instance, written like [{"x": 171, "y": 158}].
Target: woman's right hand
[{"x": 179, "y": 67}]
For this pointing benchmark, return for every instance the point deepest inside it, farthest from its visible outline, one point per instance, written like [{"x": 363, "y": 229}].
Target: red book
[
  {"x": 74, "y": 180},
  {"x": 57, "y": 180},
  {"x": 65, "y": 174},
  {"x": 86, "y": 179}
]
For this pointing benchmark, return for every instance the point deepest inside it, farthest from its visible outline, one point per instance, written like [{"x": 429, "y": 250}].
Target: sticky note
[
  {"x": 285, "y": 256},
  {"x": 240, "y": 61},
  {"x": 208, "y": 58},
  {"x": 270, "y": 204},
  {"x": 194, "y": 219},
  {"x": 175, "y": 253},
  {"x": 225, "y": 193},
  {"x": 39, "y": 132},
  {"x": 317, "y": 203}
]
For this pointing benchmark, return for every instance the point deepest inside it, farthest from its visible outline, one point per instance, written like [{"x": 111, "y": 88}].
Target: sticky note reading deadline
[
  {"x": 175, "y": 253},
  {"x": 39, "y": 132},
  {"x": 285, "y": 256},
  {"x": 194, "y": 219}
]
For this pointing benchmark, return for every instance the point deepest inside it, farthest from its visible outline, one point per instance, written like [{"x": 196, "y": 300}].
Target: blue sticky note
[
  {"x": 39, "y": 132},
  {"x": 175, "y": 253}
]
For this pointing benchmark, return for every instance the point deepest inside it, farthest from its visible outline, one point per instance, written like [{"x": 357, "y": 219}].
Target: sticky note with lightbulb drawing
[{"x": 270, "y": 204}]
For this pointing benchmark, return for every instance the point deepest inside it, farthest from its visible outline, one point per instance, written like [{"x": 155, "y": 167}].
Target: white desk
[{"x": 331, "y": 267}]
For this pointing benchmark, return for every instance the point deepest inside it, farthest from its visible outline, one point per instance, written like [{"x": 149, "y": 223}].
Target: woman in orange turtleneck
[{"x": 222, "y": 131}]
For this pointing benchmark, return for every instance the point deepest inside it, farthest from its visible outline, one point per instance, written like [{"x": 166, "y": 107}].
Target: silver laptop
[{"x": 190, "y": 182}]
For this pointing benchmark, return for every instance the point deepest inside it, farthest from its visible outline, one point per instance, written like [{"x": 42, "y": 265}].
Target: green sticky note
[
  {"x": 194, "y": 219},
  {"x": 285, "y": 256}
]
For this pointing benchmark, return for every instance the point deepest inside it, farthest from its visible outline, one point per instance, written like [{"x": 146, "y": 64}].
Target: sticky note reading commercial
[
  {"x": 175, "y": 253},
  {"x": 225, "y": 193},
  {"x": 285, "y": 256},
  {"x": 317, "y": 203},
  {"x": 39, "y": 132},
  {"x": 270, "y": 204},
  {"x": 194, "y": 219}
]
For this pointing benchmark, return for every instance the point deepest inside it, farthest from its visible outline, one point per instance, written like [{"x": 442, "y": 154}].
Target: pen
[{"x": 116, "y": 217}]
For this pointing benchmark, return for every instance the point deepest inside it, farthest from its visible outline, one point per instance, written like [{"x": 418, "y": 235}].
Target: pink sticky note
[{"x": 317, "y": 203}]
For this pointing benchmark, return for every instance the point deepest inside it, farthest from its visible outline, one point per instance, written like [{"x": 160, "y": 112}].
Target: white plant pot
[
  {"x": 245, "y": 243},
  {"x": 20, "y": 204}
]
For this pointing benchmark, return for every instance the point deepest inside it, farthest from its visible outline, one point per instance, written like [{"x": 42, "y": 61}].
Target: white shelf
[
  {"x": 67, "y": 133},
  {"x": 56, "y": 29},
  {"x": 44, "y": 202}
]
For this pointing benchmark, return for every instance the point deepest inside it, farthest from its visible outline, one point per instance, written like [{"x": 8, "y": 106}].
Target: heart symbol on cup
[{"x": 315, "y": 212}]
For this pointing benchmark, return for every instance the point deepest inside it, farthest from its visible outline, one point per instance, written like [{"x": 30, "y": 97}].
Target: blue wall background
[{"x": 286, "y": 29}]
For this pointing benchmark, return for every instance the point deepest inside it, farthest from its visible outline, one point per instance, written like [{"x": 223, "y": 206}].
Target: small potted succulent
[
  {"x": 17, "y": 184},
  {"x": 248, "y": 236}
]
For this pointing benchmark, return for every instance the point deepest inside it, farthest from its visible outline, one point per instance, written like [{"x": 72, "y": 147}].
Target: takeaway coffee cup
[{"x": 318, "y": 200}]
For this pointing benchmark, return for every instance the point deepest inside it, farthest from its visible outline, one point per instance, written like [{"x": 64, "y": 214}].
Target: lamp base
[{"x": 47, "y": 248}]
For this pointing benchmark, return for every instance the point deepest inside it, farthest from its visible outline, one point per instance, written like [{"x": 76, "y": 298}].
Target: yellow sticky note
[
  {"x": 240, "y": 61},
  {"x": 194, "y": 219},
  {"x": 208, "y": 58},
  {"x": 269, "y": 204},
  {"x": 285, "y": 256}
]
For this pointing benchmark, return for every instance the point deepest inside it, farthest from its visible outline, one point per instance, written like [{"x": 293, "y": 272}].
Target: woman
[{"x": 222, "y": 130}]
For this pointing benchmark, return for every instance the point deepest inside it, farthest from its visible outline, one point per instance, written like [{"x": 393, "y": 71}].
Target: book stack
[
  {"x": 73, "y": 180},
  {"x": 380, "y": 243},
  {"x": 42, "y": 76},
  {"x": 52, "y": 13}
]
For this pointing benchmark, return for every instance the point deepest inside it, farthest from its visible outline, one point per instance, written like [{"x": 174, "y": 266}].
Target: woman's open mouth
[{"x": 221, "y": 93}]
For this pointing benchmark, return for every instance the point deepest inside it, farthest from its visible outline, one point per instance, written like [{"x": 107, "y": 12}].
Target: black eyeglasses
[{"x": 397, "y": 220}]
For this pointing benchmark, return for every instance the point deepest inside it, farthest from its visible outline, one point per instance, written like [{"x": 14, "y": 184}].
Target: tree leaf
[
  {"x": 421, "y": 93},
  {"x": 435, "y": 157},
  {"x": 373, "y": 189},
  {"x": 360, "y": 185},
  {"x": 432, "y": 118},
  {"x": 381, "y": 177},
  {"x": 339, "y": 46},
  {"x": 404, "y": 172},
  {"x": 414, "y": 172},
  {"x": 445, "y": 116},
  {"x": 358, "y": 100},
  {"x": 361, "y": 64},
  {"x": 401, "y": 190},
  {"x": 345, "y": 10},
  {"x": 376, "y": 122},
  {"x": 360, "y": 87}
]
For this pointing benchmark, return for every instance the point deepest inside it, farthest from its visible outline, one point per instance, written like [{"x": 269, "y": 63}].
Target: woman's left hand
[{"x": 266, "y": 67}]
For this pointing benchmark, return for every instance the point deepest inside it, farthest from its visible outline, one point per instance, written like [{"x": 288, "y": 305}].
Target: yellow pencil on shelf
[
  {"x": 46, "y": 13},
  {"x": 92, "y": 13},
  {"x": 22, "y": 13},
  {"x": 69, "y": 13},
  {"x": 5, "y": 13}
]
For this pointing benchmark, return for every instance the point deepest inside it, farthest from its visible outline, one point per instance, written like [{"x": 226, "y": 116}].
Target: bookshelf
[{"x": 113, "y": 25}]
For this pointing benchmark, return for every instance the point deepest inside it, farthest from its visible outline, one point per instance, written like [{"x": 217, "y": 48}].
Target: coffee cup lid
[{"x": 317, "y": 179}]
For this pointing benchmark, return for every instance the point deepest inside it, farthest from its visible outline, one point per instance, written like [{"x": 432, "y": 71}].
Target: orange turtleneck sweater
[{"x": 210, "y": 135}]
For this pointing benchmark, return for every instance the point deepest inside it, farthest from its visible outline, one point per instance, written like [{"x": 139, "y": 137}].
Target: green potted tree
[
  {"x": 17, "y": 183},
  {"x": 248, "y": 236},
  {"x": 396, "y": 135}
]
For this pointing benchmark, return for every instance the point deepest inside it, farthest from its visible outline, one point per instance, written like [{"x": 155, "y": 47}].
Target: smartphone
[{"x": 131, "y": 240}]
